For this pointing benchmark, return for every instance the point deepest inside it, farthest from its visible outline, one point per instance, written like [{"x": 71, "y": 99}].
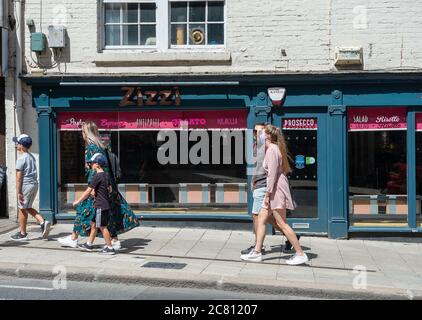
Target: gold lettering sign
[{"x": 136, "y": 96}]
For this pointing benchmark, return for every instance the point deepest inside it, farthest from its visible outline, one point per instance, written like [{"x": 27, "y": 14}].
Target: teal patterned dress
[{"x": 122, "y": 218}]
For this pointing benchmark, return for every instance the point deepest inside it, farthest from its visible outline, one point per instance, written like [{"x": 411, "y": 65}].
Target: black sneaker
[
  {"x": 45, "y": 229},
  {"x": 86, "y": 247},
  {"x": 106, "y": 250},
  {"x": 19, "y": 237},
  {"x": 288, "y": 246},
  {"x": 246, "y": 251}
]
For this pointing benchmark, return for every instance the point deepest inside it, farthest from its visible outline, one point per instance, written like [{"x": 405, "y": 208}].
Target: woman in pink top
[{"x": 278, "y": 197}]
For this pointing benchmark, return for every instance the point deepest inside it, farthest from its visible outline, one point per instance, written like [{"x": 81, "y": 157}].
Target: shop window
[
  {"x": 419, "y": 169},
  {"x": 129, "y": 24},
  {"x": 218, "y": 184},
  {"x": 378, "y": 167}
]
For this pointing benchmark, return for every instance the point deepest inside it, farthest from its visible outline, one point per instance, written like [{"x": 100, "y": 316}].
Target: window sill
[{"x": 119, "y": 58}]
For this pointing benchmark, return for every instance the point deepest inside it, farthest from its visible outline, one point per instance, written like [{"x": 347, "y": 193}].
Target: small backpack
[{"x": 114, "y": 162}]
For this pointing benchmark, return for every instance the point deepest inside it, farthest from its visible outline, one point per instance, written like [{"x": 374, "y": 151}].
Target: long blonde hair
[
  {"x": 277, "y": 137},
  {"x": 91, "y": 134}
]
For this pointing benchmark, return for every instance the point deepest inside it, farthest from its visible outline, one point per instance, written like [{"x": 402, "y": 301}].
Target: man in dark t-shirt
[{"x": 100, "y": 187}]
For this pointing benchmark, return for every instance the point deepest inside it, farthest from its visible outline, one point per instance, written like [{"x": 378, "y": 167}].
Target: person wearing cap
[
  {"x": 100, "y": 184},
  {"x": 27, "y": 188}
]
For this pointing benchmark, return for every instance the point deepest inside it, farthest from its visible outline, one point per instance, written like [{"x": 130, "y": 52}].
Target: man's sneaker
[
  {"x": 45, "y": 229},
  {"x": 288, "y": 246},
  {"x": 297, "y": 259},
  {"x": 19, "y": 237},
  {"x": 68, "y": 242},
  {"x": 246, "y": 251},
  {"x": 116, "y": 245},
  {"x": 252, "y": 256},
  {"x": 108, "y": 251},
  {"x": 86, "y": 247}
]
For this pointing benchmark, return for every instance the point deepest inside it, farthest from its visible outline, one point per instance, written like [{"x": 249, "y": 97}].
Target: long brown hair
[
  {"x": 91, "y": 134},
  {"x": 277, "y": 137}
]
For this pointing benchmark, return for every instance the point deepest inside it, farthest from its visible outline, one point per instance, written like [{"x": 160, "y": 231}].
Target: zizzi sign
[
  {"x": 155, "y": 120},
  {"x": 375, "y": 119},
  {"x": 137, "y": 96}
]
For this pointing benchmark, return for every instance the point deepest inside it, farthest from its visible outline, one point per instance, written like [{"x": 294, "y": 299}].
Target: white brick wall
[{"x": 257, "y": 31}]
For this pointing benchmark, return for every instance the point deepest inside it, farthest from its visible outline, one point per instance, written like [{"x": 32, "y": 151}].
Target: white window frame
[
  {"x": 106, "y": 47},
  {"x": 163, "y": 28},
  {"x": 196, "y": 47}
]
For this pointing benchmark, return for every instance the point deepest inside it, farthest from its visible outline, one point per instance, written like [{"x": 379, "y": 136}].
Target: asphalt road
[{"x": 32, "y": 289}]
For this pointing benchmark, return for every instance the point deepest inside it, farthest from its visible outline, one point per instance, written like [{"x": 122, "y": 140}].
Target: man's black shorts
[{"x": 102, "y": 216}]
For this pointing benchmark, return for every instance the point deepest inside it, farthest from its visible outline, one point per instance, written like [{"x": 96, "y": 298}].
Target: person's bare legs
[
  {"x": 281, "y": 221},
  {"x": 272, "y": 222},
  {"x": 23, "y": 220},
  {"x": 36, "y": 215},
  {"x": 255, "y": 226},
  {"x": 261, "y": 228},
  {"x": 106, "y": 235},
  {"x": 93, "y": 233}
]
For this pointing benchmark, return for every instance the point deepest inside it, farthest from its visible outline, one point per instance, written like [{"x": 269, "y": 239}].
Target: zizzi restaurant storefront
[{"x": 185, "y": 147}]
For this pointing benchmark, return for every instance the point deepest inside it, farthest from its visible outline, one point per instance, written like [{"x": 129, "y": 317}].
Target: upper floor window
[
  {"x": 130, "y": 24},
  {"x": 163, "y": 24},
  {"x": 197, "y": 23}
]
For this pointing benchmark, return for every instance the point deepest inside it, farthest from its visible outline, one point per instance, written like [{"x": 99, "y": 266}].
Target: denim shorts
[{"x": 258, "y": 199}]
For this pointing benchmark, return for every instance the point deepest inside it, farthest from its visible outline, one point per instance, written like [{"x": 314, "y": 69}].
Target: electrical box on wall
[
  {"x": 349, "y": 56},
  {"x": 37, "y": 41},
  {"x": 56, "y": 37}
]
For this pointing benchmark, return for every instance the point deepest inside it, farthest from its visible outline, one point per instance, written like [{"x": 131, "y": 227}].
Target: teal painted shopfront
[{"x": 355, "y": 142}]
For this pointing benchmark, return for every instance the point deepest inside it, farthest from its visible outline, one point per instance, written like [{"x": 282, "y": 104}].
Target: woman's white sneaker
[
  {"x": 68, "y": 242},
  {"x": 297, "y": 259},
  {"x": 252, "y": 256}
]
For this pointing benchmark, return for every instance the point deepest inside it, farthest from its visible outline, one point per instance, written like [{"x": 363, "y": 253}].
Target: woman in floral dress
[{"x": 122, "y": 219}]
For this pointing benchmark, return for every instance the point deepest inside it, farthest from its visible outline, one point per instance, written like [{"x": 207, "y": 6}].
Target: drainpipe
[{"x": 18, "y": 67}]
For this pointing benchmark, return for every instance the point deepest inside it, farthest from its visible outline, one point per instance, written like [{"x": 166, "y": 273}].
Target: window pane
[
  {"x": 376, "y": 160},
  {"x": 197, "y": 34},
  {"x": 178, "y": 34},
  {"x": 130, "y": 13},
  {"x": 378, "y": 178},
  {"x": 112, "y": 35},
  {"x": 179, "y": 12},
  {"x": 112, "y": 13},
  {"x": 130, "y": 35},
  {"x": 148, "y": 36},
  {"x": 148, "y": 12},
  {"x": 303, "y": 149},
  {"x": 215, "y": 34},
  {"x": 197, "y": 11},
  {"x": 216, "y": 11}
]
